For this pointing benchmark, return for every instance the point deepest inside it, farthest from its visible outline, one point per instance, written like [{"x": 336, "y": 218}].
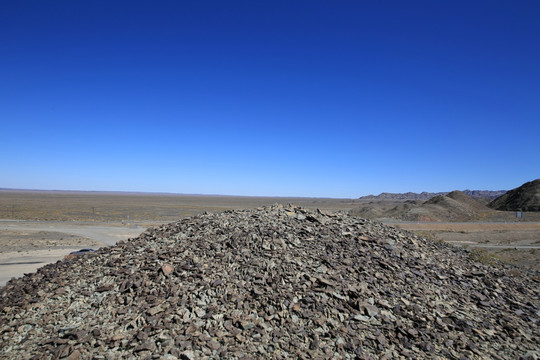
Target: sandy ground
[
  {"x": 26, "y": 246},
  {"x": 482, "y": 235},
  {"x": 517, "y": 243},
  {"x": 16, "y": 264},
  {"x": 467, "y": 226}
]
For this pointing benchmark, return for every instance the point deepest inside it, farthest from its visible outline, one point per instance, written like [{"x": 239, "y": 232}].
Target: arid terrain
[
  {"x": 39, "y": 227},
  {"x": 212, "y": 279},
  {"x": 154, "y": 208},
  {"x": 275, "y": 282},
  {"x": 515, "y": 243},
  {"x": 27, "y": 245}
]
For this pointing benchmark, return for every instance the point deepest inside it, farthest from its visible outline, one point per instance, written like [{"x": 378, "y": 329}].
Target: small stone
[
  {"x": 530, "y": 355},
  {"x": 359, "y": 317},
  {"x": 214, "y": 345},
  {"x": 117, "y": 337},
  {"x": 187, "y": 355},
  {"x": 167, "y": 269},
  {"x": 370, "y": 310},
  {"x": 104, "y": 288},
  {"x": 146, "y": 346},
  {"x": 246, "y": 325},
  {"x": 155, "y": 310},
  {"x": 168, "y": 357},
  {"x": 75, "y": 355}
]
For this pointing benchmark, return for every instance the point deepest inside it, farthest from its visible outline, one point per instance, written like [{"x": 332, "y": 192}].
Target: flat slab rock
[{"x": 273, "y": 283}]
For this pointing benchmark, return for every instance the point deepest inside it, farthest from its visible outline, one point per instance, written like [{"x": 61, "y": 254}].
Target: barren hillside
[
  {"x": 454, "y": 206},
  {"x": 524, "y": 198}
]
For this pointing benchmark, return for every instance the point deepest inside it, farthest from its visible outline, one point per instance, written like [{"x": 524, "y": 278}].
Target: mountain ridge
[
  {"x": 453, "y": 206},
  {"x": 482, "y": 194}
]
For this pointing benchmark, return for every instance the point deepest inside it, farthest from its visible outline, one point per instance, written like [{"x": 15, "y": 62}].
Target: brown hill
[
  {"x": 524, "y": 198},
  {"x": 454, "y": 206},
  {"x": 272, "y": 283},
  {"x": 466, "y": 202}
]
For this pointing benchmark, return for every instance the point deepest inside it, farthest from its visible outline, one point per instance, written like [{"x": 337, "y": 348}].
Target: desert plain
[{"x": 41, "y": 227}]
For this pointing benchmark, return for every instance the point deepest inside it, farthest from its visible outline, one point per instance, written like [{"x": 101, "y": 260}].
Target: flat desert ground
[
  {"x": 517, "y": 243},
  {"x": 40, "y": 227}
]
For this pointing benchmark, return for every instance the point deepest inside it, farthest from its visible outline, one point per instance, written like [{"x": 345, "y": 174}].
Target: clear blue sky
[{"x": 287, "y": 98}]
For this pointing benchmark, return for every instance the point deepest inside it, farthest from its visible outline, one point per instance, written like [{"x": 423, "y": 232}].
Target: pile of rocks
[{"x": 273, "y": 283}]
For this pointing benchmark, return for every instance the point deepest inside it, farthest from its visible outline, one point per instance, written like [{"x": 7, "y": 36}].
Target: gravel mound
[{"x": 272, "y": 283}]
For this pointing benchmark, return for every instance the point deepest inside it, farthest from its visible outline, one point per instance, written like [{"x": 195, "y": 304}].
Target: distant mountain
[
  {"x": 524, "y": 198},
  {"x": 401, "y": 196},
  {"x": 480, "y": 194},
  {"x": 484, "y": 194}
]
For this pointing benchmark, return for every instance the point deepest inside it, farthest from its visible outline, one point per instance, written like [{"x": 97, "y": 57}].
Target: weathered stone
[
  {"x": 214, "y": 345},
  {"x": 167, "y": 269},
  {"x": 75, "y": 355},
  {"x": 148, "y": 345},
  {"x": 156, "y": 310}
]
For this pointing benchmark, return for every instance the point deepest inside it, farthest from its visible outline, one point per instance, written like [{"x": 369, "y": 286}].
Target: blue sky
[{"x": 284, "y": 98}]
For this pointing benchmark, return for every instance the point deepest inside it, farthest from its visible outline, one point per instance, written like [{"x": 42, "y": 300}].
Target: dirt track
[
  {"x": 27, "y": 245},
  {"x": 517, "y": 243},
  {"x": 469, "y": 226},
  {"x": 107, "y": 234}
]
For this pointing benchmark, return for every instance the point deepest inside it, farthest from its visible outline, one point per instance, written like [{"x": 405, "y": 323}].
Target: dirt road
[
  {"x": 25, "y": 246},
  {"x": 517, "y": 243},
  {"x": 107, "y": 234}
]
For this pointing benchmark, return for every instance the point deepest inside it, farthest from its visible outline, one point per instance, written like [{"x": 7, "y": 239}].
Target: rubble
[{"x": 272, "y": 283}]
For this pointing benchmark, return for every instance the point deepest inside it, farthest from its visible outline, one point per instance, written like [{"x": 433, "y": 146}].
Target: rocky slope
[
  {"x": 524, "y": 198},
  {"x": 272, "y": 283}
]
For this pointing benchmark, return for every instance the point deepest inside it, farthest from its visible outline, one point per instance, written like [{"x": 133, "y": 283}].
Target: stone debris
[{"x": 272, "y": 283}]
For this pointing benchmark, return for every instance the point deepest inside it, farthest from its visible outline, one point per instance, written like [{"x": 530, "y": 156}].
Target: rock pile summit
[{"x": 272, "y": 283}]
